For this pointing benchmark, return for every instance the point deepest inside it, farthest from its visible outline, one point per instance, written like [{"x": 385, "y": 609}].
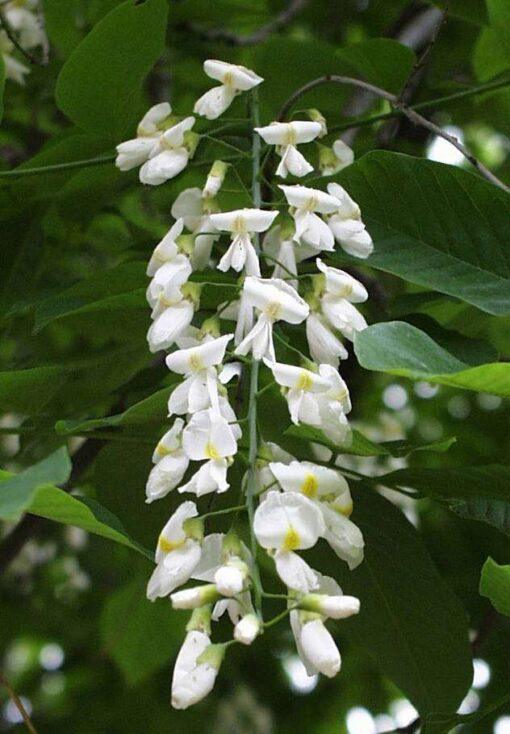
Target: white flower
[
  {"x": 247, "y": 629},
  {"x": 135, "y": 152},
  {"x": 170, "y": 156},
  {"x": 172, "y": 322},
  {"x": 195, "y": 211},
  {"x": 343, "y": 316},
  {"x": 332, "y": 160},
  {"x": 194, "y": 597},
  {"x": 282, "y": 249},
  {"x": 234, "y": 80},
  {"x": 240, "y": 311},
  {"x": 170, "y": 463},
  {"x": 241, "y": 223},
  {"x": 215, "y": 179},
  {"x": 198, "y": 364},
  {"x": 301, "y": 384},
  {"x": 285, "y": 522},
  {"x": 346, "y": 225},
  {"x": 26, "y": 24},
  {"x": 325, "y": 347},
  {"x": 167, "y": 250},
  {"x": 306, "y": 204},
  {"x": 230, "y": 578},
  {"x": 314, "y": 481},
  {"x": 317, "y": 647},
  {"x": 193, "y": 676},
  {"x": 342, "y": 285},
  {"x": 286, "y": 135},
  {"x": 177, "y": 554},
  {"x": 164, "y": 290},
  {"x": 209, "y": 437},
  {"x": 344, "y": 537},
  {"x": 275, "y": 301}
]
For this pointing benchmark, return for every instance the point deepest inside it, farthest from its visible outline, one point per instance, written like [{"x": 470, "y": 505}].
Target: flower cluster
[
  {"x": 24, "y": 20},
  {"x": 299, "y": 502}
]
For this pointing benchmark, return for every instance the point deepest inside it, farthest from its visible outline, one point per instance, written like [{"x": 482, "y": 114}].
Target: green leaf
[
  {"x": 380, "y": 61},
  {"x": 495, "y": 585},
  {"x": 151, "y": 411},
  {"x": 474, "y": 11},
  {"x": 28, "y": 391},
  {"x": 435, "y": 225},
  {"x": 141, "y": 636},
  {"x": 60, "y": 22},
  {"x": 362, "y": 446},
  {"x": 409, "y": 616},
  {"x": 118, "y": 288},
  {"x": 479, "y": 493},
  {"x": 492, "y": 51},
  {"x": 398, "y": 348},
  {"x": 17, "y": 492},
  {"x": 99, "y": 85},
  {"x": 2, "y": 86}
]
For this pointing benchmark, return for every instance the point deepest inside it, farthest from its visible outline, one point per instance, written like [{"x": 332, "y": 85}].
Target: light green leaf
[
  {"x": 121, "y": 287},
  {"x": 380, "y": 61},
  {"x": 492, "y": 51},
  {"x": 398, "y": 348},
  {"x": 17, "y": 491},
  {"x": 99, "y": 85},
  {"x": 141, "y": 636},
  {"x": 435, "y": 225},
  {"x": 28, "y": 391},
  {"x": 495, "y": 585},
  {"x": 409, "y": 616}
]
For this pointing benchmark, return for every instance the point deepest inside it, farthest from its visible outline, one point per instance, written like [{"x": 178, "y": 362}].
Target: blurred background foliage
[{"x": 78, "y": 640}]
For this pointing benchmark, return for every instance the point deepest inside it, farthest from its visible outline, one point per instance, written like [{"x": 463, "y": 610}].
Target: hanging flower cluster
[
  {"x": 292, "y": 504},
  {"x": 24, "y": 20}
]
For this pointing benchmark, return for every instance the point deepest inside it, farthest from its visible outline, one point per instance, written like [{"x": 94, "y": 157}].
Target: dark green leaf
[
  {"x": 141, "y": 636},
  {"x": 99, "y": 85},
  {"x": 435, "y": 225},
  {"x": 398, "y": 348},
  {"x": 495, "y": 585},
  {"x": 380, "y": 61},
  {"x": 409, "y": 616},
  {"x": 2, "y": 85}
]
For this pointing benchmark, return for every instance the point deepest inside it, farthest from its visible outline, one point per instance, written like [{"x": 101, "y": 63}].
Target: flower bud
[
  {"x": 336, "y": 607},
  {"x": 215, "y": 179},
  {"x": 247, "y": 629},
  {"x": 230, "y": 578},
  {"x": 195, "y": 669},
  {"x": 195, "y": 597},
  {"x": 317, "y": 116},
  {"x": 320, "y": 648},
  {"x": 200, "y": 619}
]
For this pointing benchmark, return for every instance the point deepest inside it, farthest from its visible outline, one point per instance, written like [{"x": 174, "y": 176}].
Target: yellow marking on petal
[
  {"x": 290, "y": 136},
  {"x": 304, "y": 381},
  {"x": 228, "y": 79},
  {"x": 239, "y": 226},
  {"x": 195, "y": 363},
  {"x": 291, "y": 540},
  {"x": 211, "y": 451},
  {"x": 310, "y": 485},
  {"x": 272, "y": 310},
  {"x": 339, "y": 394},
  {"x": 162, "y": 450},
  {"x": 168, "y": 545}
]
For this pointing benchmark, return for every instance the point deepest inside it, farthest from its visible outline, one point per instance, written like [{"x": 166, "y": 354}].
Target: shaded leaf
[
  {"x": 380, "y": 61},
  {"x": 99, "y": 85},
  {"x": 435, "y": 225},
  {"x": 495, "y": 585}
]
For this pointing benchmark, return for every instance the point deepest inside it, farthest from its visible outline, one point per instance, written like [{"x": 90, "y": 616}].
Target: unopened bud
[
  {"x": 215, "y": 179},
  {"x": 336, "y": 607},
  {"x": 247, "y": 629},
  {"x": 195, "y": 597},
  {"x": 317, "y": 116}
]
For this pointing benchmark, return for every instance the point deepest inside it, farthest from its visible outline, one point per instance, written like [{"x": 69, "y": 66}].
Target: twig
[
  {"x": 18, "y": 703},
  {"x": 233, "y": 39},
  {"x": 11, "y": 36},
  {"x": 410, "y": 113}
]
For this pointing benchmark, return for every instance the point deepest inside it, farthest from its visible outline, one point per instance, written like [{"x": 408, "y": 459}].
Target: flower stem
[{"x": 251, "y": 485}]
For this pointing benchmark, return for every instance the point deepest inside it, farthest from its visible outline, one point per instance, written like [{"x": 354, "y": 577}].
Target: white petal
[
  {"x": 167, "y": 249},
  {"x": 211, "y": 558},
  {"x": 229, "y": 371},
  {"x": 323, "y": 344},
  {"x": 173, "y": 533},
  {"x": 343, "y": 316},
  {"x": 315, "y": 200},
  {"x": 133, "y": 153},
  {"x": 289, "y": 519},
  {"x": 343, "y": 536},
  {"x": 174, "y": 136},
  {"x": 291, "y": 376},
  {"x": 312, "y": 480},
  {"x": 239, "y": 77},
  {"x": 186, "y": 361},
  {"x": 211, "y": 477},
  {"x": 148, "y": 125},
  {"x": 169, "y": 325},
  {"x": 174, "y": 570},
  {"x": 191, "y": 682},
  {"x": 320, "y": 648},
  {"x": 166, "y": 475},
  {"x": 293, "y": 162},
  {"x": 295, "y": 573},
  {"x": 164, "y": 166},
  {"x": 189, "y": 207},
  {"x": 214, "y": 102},
  {"x": 341, "y": 284},
  {"x": 348, "y": 208}
]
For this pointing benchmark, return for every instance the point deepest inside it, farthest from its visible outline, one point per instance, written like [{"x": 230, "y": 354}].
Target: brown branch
[
  {"x": 11, "y": 36},
  {"x": 18, "y": 703},
  {"x": 233, "y": 39},
  {"x": 410, "y": 113}
]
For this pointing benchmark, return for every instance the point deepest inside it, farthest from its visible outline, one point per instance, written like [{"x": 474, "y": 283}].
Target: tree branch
[
  {"x": 408, "y": 112},
  {"x": 233, "y": 39},
  {"x": 18, "y": 703}
]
